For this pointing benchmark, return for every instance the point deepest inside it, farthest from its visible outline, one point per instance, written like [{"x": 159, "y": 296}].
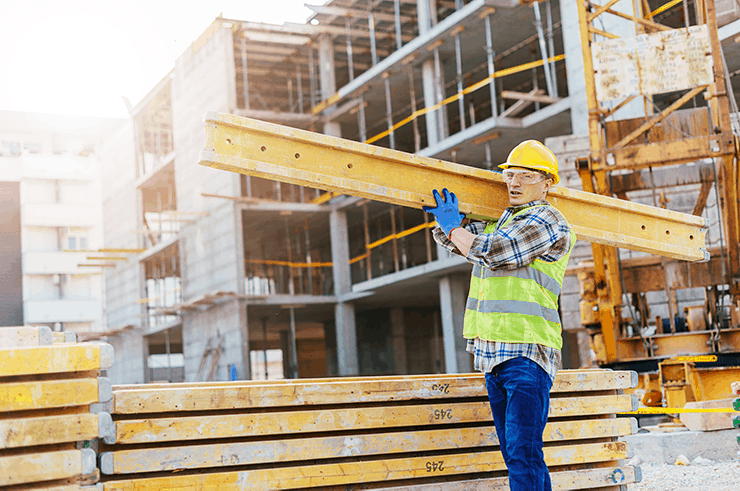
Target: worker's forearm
[{"x": 462, "y": 239}]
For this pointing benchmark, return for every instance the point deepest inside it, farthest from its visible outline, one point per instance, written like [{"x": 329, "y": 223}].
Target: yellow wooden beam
[
  {"x": 561, "y": 480},
  {"x": 29, "y": 432},
  {"x": 567, "y": 380},
  {"x": 233, "y": 397},
  {"x": 290, "y": 155},
  {"x": 55, "y": 359},
  {"x": 639, "y": 20},
  {"x": 124, "y": 461},
  {"x": 601, "y": 9},
  {"x": 22, "y": 396},
  {"x": 46, "y": 466},
  {"x": 350, "y": 472},
  {"x": 358, "y": 418},
  {"x": 25, "y": 336}
]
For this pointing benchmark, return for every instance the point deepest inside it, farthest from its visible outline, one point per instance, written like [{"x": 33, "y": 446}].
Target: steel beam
[{"x": 300, "y": 157}]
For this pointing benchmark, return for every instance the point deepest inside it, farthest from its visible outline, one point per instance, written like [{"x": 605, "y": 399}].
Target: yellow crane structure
[{"x": 668, "y": 68}]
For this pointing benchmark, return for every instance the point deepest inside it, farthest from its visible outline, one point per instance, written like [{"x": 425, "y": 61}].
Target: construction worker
[{"x": 511, "y": 322}]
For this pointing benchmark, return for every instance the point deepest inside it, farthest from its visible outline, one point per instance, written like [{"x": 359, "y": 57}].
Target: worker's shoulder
[
  {"x": 543, "y": 210},
  {"x": 555, "y": 213}
]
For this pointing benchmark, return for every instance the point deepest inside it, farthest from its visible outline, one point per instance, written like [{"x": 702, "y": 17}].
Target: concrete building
[
  {"x": 240, "y": 275},
  {"x": 52, "y": 178}
]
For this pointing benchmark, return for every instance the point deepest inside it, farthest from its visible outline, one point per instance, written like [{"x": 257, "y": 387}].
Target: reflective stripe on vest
[{"x": 517, "y": 306}]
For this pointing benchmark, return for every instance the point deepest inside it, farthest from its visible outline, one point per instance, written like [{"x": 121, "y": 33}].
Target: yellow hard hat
[{"x": 531, "y": 154}]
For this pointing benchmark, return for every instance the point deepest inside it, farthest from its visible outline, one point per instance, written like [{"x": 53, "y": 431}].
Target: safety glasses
[{"x": 523, "y": 176}]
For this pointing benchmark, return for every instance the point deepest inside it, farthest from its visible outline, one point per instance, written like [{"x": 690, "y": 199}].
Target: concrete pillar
[
  {"x": 246, "y": 369},
  {"x": 574, "y": 62},
  {"x": 398, "y": 338},
  {"x": 453, "y": 293},
  {"x": 328, "y": 80},
  {"x": 430, "y": 99},
  {"x": 424, "y": 19},
  {"x": 344, "y": 312}
]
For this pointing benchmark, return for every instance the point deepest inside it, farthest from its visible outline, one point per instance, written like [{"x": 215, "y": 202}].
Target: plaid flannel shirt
[{"x": 541, "y": 234}]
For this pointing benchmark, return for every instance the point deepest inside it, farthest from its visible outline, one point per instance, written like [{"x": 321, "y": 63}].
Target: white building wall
[{"x": 61, "y": 209}]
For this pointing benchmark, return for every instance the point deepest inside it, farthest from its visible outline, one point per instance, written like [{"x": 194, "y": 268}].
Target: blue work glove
[{"x": 447, "y": 213}]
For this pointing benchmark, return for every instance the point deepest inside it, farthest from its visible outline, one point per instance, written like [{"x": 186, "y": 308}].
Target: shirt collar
[{"x": 515, "y": 209}]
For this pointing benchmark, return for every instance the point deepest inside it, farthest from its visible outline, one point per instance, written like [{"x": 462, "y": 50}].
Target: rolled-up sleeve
[
  {"x": 475, "y": 228},
  {"x": 542, "y": 234}
]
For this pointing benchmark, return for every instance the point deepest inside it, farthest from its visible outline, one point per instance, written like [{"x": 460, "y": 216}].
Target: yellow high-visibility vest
[{"x": 517, "y": 305}]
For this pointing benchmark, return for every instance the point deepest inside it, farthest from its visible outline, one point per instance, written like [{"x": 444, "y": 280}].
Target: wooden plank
[
  {"x": 562, "y": 480},
  {"x": 123, "y": 461},
  {"x": 296, "y": 422},
  {"x": 23, "y": 396},
  {"x": 25, "y": 336},
  {"x": 368, "y": 471},
  {"x": 55, "y": 359},
  {"x": 214, "y": 397},
  {"x": 583, "y": 406},
  {"x": 54, "y": 487},
  {"x": 290, "y": 155},
  {"x": 45, "y": 466},
  {"x": 26, "y": 432},
  {"x": 572, "y": 380},
  {"x": 634, "y": 157},
  {"x": 534, "y": 96}
]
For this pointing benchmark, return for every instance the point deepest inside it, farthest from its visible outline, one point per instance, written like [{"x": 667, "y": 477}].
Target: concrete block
[
  {"x": 45, "y": 336},
  {"x": 708, "y": 421},
  {"x": 664, "y": 448},
  {"x": 106, "y": 428},
  {"x": 106, "y": 355},
  {"x": 105, "y": 389},
  {"x": 88, "y": 461}
]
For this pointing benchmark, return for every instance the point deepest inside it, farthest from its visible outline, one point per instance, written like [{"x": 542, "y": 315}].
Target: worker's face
[{"x": 520, "y": 193}]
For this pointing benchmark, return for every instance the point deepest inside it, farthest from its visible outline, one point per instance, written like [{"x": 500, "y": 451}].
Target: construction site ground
[
  {"x": 679, "y": 459},
  {"x": 723, "y": 475}
]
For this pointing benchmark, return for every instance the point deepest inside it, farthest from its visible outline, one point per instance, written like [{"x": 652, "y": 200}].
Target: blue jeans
[{"x": 519, "y": 394}]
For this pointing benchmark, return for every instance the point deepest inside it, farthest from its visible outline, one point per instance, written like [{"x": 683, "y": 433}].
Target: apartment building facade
[{"x": 49, "y": 162}]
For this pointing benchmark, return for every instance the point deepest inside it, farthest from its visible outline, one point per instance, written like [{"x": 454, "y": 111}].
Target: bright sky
[{"x": 78, "y": 57}]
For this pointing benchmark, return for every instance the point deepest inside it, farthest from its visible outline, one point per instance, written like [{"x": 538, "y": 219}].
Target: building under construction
[{"x": 229, "y": 276}]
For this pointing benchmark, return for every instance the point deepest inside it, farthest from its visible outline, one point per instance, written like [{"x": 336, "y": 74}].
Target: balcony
[
  {"x": 43, "y": 311},
  {"x": 57, "y": 215},
  {"x": 53, "y": 263}
]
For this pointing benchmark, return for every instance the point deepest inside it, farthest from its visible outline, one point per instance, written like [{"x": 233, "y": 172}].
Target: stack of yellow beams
[
  {"x": 47, "y": 384},
  {"x": 428, "y": 432}
]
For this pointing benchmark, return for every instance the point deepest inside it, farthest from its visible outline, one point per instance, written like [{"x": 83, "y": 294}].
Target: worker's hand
[{"x": 447, "y": 212}]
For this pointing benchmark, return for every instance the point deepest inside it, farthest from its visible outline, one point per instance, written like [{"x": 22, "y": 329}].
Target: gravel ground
[{"x": 714, "y": 476}]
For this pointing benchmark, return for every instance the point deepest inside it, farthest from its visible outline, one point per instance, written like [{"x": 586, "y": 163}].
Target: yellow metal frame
[
  {"x": 627, "y": 155},
  {"x": 301, "y": 157}
]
